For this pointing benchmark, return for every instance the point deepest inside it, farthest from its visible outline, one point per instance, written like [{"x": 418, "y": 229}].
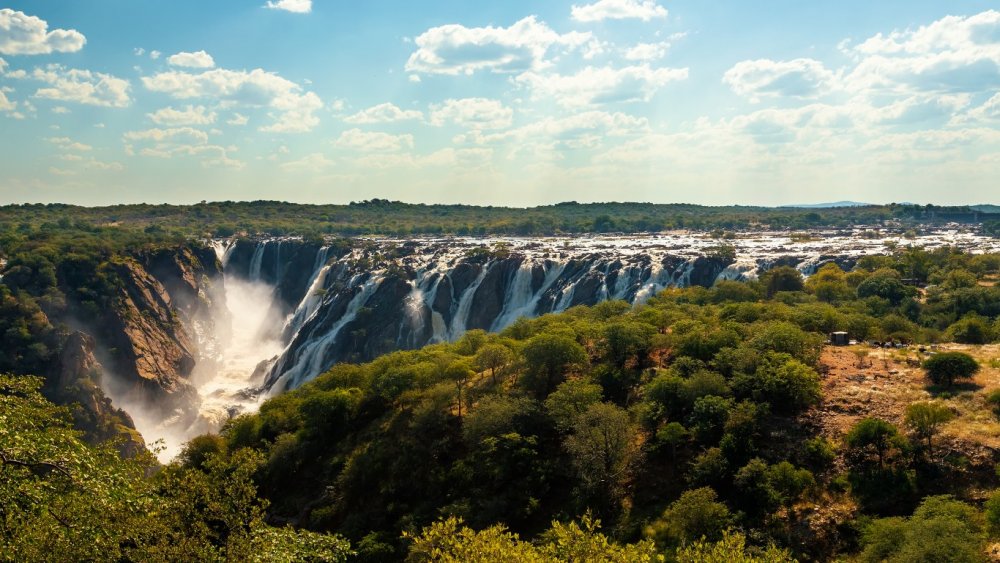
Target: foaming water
[
  {"x": 247, "y": 333},
  {"x": 240, "y": 329}
]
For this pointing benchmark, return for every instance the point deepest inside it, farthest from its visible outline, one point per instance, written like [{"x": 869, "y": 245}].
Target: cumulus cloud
[
  {"x": 82, "y": 86},
  {"x": 67, "y": 144},
  {"x": 296, "y": 6},
  {"x": 466, "y": 159},
  {"x": 384, "y": 113},
  {"x": 952, "y": 54},
  {"x": 597, "y": 85},
  {"x": 292, "y": 109},
  {"x": 647, "y": 51},
  {"x": 198, "y": 59},
  {"x": 189, "y": 115},
  {"x": 800, "y": 78},
  {"x": 238, "y": 119},
  {"x": 314, "y": 162},
  {"x": 586, "y": 129},
  {"x": 601, "y": 10},
  {"x": 374, "y": 141},
  {"x": 473, "y": 113},
  {"x": 179, "y": 141},
  {"x": 3, "y": 65},
  {"x": 21, "y": 34},
  {"x": 456, "y": 49},
  {"x": 5, "y": 104}
]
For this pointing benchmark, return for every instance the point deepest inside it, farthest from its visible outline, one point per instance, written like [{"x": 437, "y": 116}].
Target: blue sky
[{"x": 512, "y": 103}]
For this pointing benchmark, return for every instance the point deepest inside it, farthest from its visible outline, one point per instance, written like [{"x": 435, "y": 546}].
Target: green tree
[
  {"x": 946, "y": 367},
  {"x": 941, "y": 529},
  {"x": 493, "y": 357},
  {"x": 874, "y": 442},
  {"x": 732, "y": 548},
  {"x": 782, "y": 278},
  {"x": 603, "y": 448},
  {"x": 926, "y": 419},
  {"x": 570, "y": 400},
  {"x": 549, "y": 358},
  {"x": 696, "y": 515}
]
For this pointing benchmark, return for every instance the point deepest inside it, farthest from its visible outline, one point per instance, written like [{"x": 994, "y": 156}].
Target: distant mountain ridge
[{"x": 830, "y": 205}]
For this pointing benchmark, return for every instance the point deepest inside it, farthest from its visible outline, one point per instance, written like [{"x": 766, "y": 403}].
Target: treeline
[
  {"x": 383, "y": 217},
  {"x": 675, "y": 422}
]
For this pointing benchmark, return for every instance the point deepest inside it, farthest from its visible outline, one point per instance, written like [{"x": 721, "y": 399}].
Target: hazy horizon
[{"x": 515, "y": 104}]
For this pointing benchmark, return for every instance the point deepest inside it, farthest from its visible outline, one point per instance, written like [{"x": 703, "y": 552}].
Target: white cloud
[
  {"x": 644, "y": 10},
  {"x": 189, "y": 115},
  {"x": 596, "y": 85},
  {"x": 989, "y": 111},
  {"x": 586, "y": 129},
  {"x": 67, "y": 144},
  {"x": 173, "y": 134},
  {"x": 647, "y": 51},
  {"x": 293, "y": 110},
  {"x": 296, "y": 113},
  {"x": 470, "y": 158},
  {"x": 374, "y": 141},
  {"x": 179, "y": 141},
  {"x": 473, "y": 113},
  {"x": 21, "y": 34},
  {"x": 82, "y": 86},
  {"x": 3, "y": 65},
  {"x": 456, "y": 49},
  {"x": 5, "y": 104},
  {"x": 952, "y": 54},
  {"x": 154, "y": 54},
  {"x": 296, "y": 6},
  {"x": 415, "y": 78},
  {"x": 799, "y": 78},
  {"x": 198, "y": 59},
  {"x": 238, "y": 119},
  {"x": 314, "y": 162},
  {"x": 384, "y": 113},
  {"x": 61, "y": 110},
  {"x": 139, "y": 51}
]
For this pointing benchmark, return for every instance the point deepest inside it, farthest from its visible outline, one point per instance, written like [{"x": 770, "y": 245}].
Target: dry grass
[{"x": 885, "y": 382}]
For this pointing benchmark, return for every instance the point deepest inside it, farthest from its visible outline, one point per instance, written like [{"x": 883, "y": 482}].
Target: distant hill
[
  {"x": 986, "y": 208},
  {"x": 830, "y": 205}
]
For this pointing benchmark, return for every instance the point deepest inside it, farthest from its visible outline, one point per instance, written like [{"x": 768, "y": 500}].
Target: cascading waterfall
[{"x": 431, "y": 293}]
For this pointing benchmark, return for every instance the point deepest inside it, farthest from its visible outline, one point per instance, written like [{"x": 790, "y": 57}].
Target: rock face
[
  {"x": 77, "y": 383},
  {"x": 147, "y": 334}
]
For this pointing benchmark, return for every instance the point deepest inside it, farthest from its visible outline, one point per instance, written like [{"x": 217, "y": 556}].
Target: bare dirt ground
[{"x": 861, "y": 381}]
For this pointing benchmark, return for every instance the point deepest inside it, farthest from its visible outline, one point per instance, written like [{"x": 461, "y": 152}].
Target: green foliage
[
  {"x": 926, "y": 419},
  {"x": 602, "y": 448},
  {"x": 972, "y": 329},
  {"x": 946, "y": 367},
  {"x": 64, "y": 500},
  {"x": 782, "y": 278},
  {"x": 448, "y": 541},
  {"x": 696, "y": 515},
  {"x": 732, "y": 548},
  {"x": 886, "y": 284},
  {"x": 549, "y": 359},
  {"x": 570, "y": 400},
  {"x": 781, "y": 381},
  {"x": 941, "y": 529}
]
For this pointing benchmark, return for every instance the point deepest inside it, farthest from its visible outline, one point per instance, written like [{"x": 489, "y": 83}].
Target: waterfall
[
  {"x": 311, "y": 300},
  {"x": 458, "y": 323},
  {"x": 256, "y": 261},
  {"x": 308, "y": 362}
]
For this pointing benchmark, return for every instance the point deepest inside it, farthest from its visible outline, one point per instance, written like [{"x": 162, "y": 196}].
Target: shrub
[{"x": 945, "y": 368}]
